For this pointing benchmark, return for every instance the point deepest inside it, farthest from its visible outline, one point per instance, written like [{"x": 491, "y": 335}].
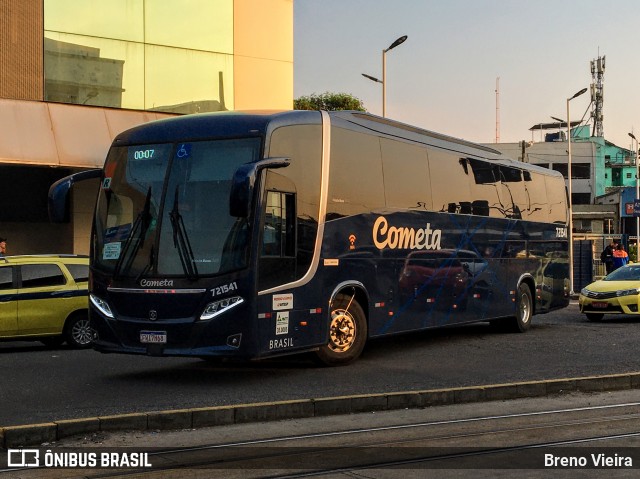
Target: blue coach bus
[{"x": 238, "y": 235}]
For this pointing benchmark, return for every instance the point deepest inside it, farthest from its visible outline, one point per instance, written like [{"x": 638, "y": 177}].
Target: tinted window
[
  {"x": 512, "y": 193},
  {"x": 303, "y": 145},
  {"x": 195, "y": 233},
  {"x": 355, "y": 184},
  {"x": 450, "y": 183},
  {"x": 41, "y": 275},
  {"x": 406, "y": 175},
  {"x": 557, "y": 194},
  {"x": 80, "y": 272},
  {"x": 486, "y": 188},
  {"x": 6, "y": 277},
  {"x": 536, "y": 206},
  {"x": 278, "y": 237},
  {"x": 278, "y": 250},
  {"x": 196, "y": 213}
]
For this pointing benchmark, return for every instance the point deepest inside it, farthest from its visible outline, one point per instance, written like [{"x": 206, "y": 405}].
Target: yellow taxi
[
  {"x": 45, "y": 298},
  {"x": 616, "y": 293}
]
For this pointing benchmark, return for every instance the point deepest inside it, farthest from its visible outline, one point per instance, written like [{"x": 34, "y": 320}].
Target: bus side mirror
[
  {"x": 244, "y": 181},
  {"x": 58, "y": 203}
]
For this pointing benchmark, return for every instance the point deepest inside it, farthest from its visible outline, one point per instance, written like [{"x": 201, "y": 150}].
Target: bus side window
[
  {"x": 277, "y": 264},
  {"x": 278, "y": 235}
]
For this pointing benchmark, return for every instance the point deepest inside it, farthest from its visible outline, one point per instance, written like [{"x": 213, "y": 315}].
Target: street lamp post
[
  {"x": 637, "y": 196},
  {"x": 570, "y": 192},
  {"x": 398, "y": 41}
]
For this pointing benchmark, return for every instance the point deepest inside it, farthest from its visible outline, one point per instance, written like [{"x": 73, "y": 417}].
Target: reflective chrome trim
[
  {"x": 599, "y": 295},
  {"x": 324, "y": 192},
  {"x": 156, "y": 291}
]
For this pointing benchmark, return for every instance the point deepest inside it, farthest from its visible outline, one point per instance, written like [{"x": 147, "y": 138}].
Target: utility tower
[{"x": 597, "y": 95}]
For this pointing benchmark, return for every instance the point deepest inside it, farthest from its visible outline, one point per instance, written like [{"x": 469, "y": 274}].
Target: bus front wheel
[{"x": 347, "y": 332}]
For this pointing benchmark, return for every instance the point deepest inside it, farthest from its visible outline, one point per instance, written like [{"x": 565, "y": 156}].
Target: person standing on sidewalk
[
  {"x": 607, "y": 255},
  {"x": 620, "y": 257}
]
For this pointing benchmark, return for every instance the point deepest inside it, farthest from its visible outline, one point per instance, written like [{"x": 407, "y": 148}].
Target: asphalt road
[{"x": 42, "y": 385}]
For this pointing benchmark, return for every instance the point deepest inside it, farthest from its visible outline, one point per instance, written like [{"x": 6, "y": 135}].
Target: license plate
[
  {"x": 154, "y": 337},
  {"x": 599, "y": 304}
]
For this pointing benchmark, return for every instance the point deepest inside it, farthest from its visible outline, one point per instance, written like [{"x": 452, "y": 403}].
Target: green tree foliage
[{"x": 328, "y": 101}]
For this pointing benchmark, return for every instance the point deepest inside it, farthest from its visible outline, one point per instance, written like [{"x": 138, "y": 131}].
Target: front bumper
[
  {"x": 617, "y": 305},
  {"x": 184, "y": 337}
]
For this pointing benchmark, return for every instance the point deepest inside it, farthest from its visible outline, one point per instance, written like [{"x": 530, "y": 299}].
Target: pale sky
[{"x": 443, "y": 78}]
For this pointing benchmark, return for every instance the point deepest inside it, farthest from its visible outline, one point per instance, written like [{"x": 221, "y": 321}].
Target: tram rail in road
[{"x": 587, "y": 432}]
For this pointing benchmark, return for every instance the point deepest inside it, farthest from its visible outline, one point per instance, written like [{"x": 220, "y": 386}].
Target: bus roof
[
  {"x": 409, "y": 132},
  {"x": 234, "y": 124},
  {"x": 200, "y": 126}
]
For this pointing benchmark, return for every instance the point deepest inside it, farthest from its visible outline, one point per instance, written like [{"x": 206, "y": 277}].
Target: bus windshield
[{"x": 163, "y": 209}]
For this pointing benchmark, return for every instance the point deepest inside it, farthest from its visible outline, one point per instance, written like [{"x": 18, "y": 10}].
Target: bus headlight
[
  {"x": 218, "y": 307},
  {"x": 101, "y": 305}
]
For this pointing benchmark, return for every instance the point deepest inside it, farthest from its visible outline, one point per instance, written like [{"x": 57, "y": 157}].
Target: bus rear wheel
[
  {"x": 524, "y": 310},
  {"x": 347, "y": 332}
]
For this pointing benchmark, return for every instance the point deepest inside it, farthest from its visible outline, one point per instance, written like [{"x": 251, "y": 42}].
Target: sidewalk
[{"x": 36, "y": 434}]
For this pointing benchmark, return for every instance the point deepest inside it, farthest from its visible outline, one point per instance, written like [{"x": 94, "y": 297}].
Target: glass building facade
[
  {"x": 75, "y": 73},
  {"x": 169, "y": 56}
]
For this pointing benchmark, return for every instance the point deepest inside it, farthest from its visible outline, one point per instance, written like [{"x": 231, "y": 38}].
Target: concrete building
[{"x": 74, "y": 73}]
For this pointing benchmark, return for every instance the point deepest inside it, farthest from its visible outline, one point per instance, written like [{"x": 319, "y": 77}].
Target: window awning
[{"x": 57, "y": 134}]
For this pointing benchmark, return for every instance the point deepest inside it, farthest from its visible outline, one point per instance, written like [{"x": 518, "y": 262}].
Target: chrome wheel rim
[
  {"x": 82, "y": 332},
  {"x": 525, "y": 308},
  {"x": 342, "y": 331}
]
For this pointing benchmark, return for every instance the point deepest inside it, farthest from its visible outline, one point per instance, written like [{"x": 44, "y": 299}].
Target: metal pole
[
  {"x": 635, "y": 155},
  {"x": 384, "y": 83},
  {"x": 569, "y": 175},
  {"x": 570, "y": 202},
  {"x": 637, "y": 197}
]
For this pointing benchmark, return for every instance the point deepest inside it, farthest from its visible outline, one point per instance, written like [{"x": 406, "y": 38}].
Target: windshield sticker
[
  {"x": 106, "y": 183},
  {"x": 282, "y": 323},
  {"x": 282, "y": 302},
  {"x": 184, "y": 151},
  {"x": 111, "y": 251},
  {"x": 117, "y": 233}
]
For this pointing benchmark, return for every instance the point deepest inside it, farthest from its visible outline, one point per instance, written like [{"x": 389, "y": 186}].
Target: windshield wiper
[
  {"x": 134, "y": 241},
  {"x": 181, "y": 240},
  {"x": 149, "y": 264}
]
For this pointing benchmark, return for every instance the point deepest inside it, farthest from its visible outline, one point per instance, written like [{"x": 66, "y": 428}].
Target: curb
[{"x": 35, "y": 434}]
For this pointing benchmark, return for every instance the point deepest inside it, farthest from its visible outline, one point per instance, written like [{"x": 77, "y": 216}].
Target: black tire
[
  {"x": 521, "y": 322},
  {"x": 78, "y": 331},
  {"x": 595, "y": 317},
  {"x": 347, "y": 332}
]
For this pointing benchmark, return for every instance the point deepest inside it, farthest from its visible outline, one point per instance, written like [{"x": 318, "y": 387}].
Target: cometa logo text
[{"x": 393, "y": 237}]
